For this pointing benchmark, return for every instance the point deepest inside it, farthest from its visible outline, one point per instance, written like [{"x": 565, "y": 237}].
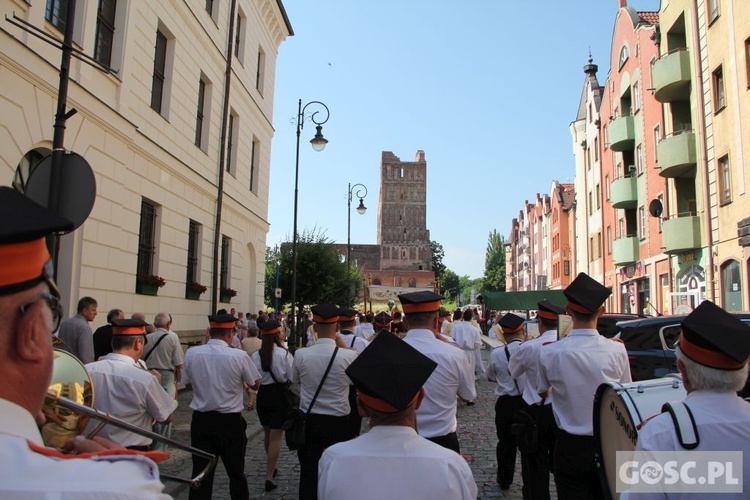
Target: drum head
[{"x": 614, "y": 430}]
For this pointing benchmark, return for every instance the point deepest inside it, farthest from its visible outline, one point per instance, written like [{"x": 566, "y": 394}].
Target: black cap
[
  {"x": 325, "y": 313},
  {"x": 715, "y": 338},
  {"x": 420, "y": 302},
  {"x": 129, "y": 327},
  {"x": 389, "y": 373},
  {"x": 444, "y": 313},
  {"x": 382, "y": 319},
  {"x": 22, "y": 219},
  {"x": 270, "y": 327},
  {"x": 511, "y": 323},
  {"x": 222, "y": 321},
  {"x": 586, "y": 295},
  {"x": 347, "y": 314},
  {"x": 548, "y": 310}
]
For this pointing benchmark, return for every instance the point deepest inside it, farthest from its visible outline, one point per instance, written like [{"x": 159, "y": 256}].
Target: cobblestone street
[{"x": 476, "y": 430}]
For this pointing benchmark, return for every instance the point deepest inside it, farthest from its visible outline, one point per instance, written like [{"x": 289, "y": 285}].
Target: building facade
[{"x": 180, "y": 155}]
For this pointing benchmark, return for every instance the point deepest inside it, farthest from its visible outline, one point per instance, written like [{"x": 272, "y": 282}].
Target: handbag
[{"x": 295, "y": 434}]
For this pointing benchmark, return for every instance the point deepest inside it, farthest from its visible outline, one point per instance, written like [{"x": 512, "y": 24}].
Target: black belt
[{"x": 162, "y": 369}]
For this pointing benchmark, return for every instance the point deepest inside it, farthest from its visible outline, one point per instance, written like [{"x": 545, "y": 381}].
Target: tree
[
  {"x": 466, "y": 285},
  {"x": 494, "y": 263},
  {"x": 450, "y": 286},
  {"x": 322, "y": 274},
  {"x": 437, "y": 260}
]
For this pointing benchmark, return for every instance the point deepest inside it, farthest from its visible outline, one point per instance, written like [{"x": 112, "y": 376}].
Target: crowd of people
[{"x": 405, "y": 373}]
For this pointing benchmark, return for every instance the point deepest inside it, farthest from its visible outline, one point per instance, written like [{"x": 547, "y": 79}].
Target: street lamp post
[
  {"x": 361, "y": 209},
  {"x": 318, "y": 144}
]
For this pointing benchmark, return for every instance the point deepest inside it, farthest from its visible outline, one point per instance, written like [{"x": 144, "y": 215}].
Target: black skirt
[{"x": 271, "y": 405}]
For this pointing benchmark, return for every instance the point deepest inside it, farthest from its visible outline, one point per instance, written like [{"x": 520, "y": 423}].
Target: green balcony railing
[
  {"x": 677, "y": 157},
  {"x": 681, "y": 234},
  {"x": 622, "y": 134},
  {"x": 625, "y": 250},
  {"x": 671, "y": 76},
  {"x": 624, "y": 193}
]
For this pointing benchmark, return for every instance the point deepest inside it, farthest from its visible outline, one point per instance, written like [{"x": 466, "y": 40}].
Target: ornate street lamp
[
  {"x": 318, "y": 144},
  {"x": 361, "y": 209}
]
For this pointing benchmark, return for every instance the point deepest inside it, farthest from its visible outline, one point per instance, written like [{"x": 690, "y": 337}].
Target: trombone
[{"x": 68, "y": 407}]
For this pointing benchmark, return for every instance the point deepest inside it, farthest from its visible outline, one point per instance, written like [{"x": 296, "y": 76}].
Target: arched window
[
  {"x": 376, "y": 281},
  {"x": 412, "y": 283},
  {"x": 731, "y": 286}
]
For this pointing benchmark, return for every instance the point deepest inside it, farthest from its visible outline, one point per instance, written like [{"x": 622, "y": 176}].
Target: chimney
[{"x": 622, "y": 3}]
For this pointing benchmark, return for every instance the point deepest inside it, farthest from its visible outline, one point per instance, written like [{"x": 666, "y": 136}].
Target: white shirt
[
  {"x": 723, "y": 422},
  {"x": 525, "y": 362},
  {"x": 309, "y": 366},
  {"x": 26, "y": 473},
  {"x": 393, "y": 462},
  {"x": 444, "y": 327},
  {"x": 467, "y": 336},
  {"x": 216, "y": 372},
  {"x": 575, "y": 367},
  {"x": 129, "y": 393},
  {"x": 352, "y": 341},
  {"x": 452, "y": 377},
  {"x": 498, "y": 370},
  {"x": 168, "y": 354},
  {"x": 281, "y": 366},
  {"x": 364, "y": 330}
]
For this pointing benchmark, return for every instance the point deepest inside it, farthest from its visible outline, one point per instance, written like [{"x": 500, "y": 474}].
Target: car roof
[{"x": 665, "y": 320}]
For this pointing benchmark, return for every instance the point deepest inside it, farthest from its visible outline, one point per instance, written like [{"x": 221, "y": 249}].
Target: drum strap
[{"x": 684, "y": 424}]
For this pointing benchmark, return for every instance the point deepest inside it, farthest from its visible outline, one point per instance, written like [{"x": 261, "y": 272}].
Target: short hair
[
  {"x": 705, "y": 378},
  {"x": 219, "y": 332},
  {"x": 112, "y": 314},
  {"x": 120, "y": 342},
  {"x": 457, "y": 314},
  {"x": 584, "y": 316},
  {"x": 468, "y": 315},
  {"x": 252, "y": 330},
  {"x": 369, "y": 317},
  {"x": 417, "y": 320},
  {"x": 548, "y": 323},
  {"x": 140, "y": 316},
  {"x": 85, "y": 302},
  {"x": 161, "y": 320}
]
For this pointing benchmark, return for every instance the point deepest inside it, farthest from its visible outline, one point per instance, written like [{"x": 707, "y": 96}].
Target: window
[
  {"x": 200, "y": 114},
  {"x": 608, "y": 190},
  {"x": 211, "y": 8},
  {"x": 226, "y": 249},
  {"x": 598, "y": 197},
  {"x": 624, "y": 55},
  {"x": 599, "y": 244},
  {"x": 621, "y": 228},
  {"x": 105, "y": 31},
  {"x": 147, "y": 239},
  {"x": 636, "y": 97},
  {"x": 725, "y": 185},
  {"x": 719, "y": 96},
  {"x": 609, "y": 240},
  {"x": 657, "y": 140},
  {"x": 56, "y": 13},
  {"x": 232, "y": 138},
  {"x": 596, "y": 149},
  {"x": 254, "y": 159},
  {"x": 159, "y": 76},
  {"x": 661, "y": 217},
  {"x": 619, "y": 171},
  {"x": 261, "y": 70},
  {"x": 193, "y": 251},
  {"x": 239, "y": 38},
  {"x": 713, "y": 10},
  {"x": 639, "y": 160},
  {"x": 591, "y": 248},
  {"x": 591, "y": 204},
  {"x": 643, "y": 222},
  {"x": 747, "y": 61}
]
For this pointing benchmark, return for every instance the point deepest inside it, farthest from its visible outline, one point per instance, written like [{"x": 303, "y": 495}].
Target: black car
[
  {"x": 607, "y": 323},
  {"x": 650, "y": 343}
]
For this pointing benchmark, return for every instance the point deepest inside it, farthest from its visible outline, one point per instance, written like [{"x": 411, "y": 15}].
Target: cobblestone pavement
[{"x": 476, "y": 431}]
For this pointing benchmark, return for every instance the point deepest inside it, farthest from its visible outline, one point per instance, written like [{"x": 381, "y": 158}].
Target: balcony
[
  {"x": 681, "y": 234},
  {"x": 671, "y": 77},
  {"x": 624, "y": 193},
  {"x": 622, "y": 134},
  {"x": 625, "y": 251},
  {"x": 677, "y": 156}
]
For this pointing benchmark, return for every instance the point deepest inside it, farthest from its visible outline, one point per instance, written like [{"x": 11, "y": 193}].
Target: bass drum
[{"x": 619, "y": 411}]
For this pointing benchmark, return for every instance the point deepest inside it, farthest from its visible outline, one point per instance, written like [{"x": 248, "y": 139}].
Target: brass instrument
[{"x": 68, "y": 407}]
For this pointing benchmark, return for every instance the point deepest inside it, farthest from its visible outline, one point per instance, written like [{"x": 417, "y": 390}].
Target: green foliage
[
  {"x": 437, "y": 260},
  {"x": 450, "y": 285},
  {"x": 466, "y": 284},
  {"x": 322, "y": 274},
  {"x": 494, "y": 263}
]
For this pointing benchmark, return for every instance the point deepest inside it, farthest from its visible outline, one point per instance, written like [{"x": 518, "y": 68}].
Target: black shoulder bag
[{"x": 295, "y": 433}]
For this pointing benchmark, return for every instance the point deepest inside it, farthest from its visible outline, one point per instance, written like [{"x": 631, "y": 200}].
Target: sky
[{"x": 486, "y": 88}]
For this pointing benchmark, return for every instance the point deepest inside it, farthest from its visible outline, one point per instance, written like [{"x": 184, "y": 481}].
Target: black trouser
[
  {"x": 355, "y": 420},
  {"x": 537, "y": 465},
  {"x": 576, "y": 476},
  {"x": 505, "y": 408},
  {"x": 449, "y": 441},
  {"x": 322, "y": 431},
  {"x": 222, "y": 434}
]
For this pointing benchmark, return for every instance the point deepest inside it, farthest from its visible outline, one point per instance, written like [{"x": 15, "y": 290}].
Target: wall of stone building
[
  {"x": 418, "y": 279},
  {"x": 363, "y": 256}
]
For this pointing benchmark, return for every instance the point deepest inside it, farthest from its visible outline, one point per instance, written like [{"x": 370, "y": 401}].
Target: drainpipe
[
  {"x": 710, "y": 291},
  {"x": 222, "y": 159}
]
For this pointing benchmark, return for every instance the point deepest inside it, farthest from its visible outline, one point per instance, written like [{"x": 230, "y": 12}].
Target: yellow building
[{"x": 159, "y": 133}]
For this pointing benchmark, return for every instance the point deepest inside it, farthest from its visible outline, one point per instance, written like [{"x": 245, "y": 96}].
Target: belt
[{"x": 162, "y": 369}]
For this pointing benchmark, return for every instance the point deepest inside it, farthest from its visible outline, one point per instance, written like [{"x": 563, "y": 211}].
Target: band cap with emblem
[
  {"x": 128, "y": 327},
  {"x": 347, "y": 314},
  {"x": 325, "y": 313},
  {"x": 715, "y": 338},
  {"x": 221, "y": 321},
  {"x": 511, "y": 323},
  {"x": 549, "y": 310},
  {"x": 586, "y": 295},
  {"x": 23, "y": 249},
  {"x": 389, "y": 374},
  {"x": 420, "y": 302},
  {"x": 270, "y": 327},
  {"x": 382, "y": 319}
]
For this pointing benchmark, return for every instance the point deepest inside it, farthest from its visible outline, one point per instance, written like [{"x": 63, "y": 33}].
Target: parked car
[
  {"x": 650, "y": 343},
  {"x": 607, "y": 322}
]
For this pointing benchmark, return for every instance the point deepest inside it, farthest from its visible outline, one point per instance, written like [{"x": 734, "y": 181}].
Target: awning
[{"x": 520, "y": 301}]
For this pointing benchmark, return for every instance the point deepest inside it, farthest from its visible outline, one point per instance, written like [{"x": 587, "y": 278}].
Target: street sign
[{"x": 277, "y": 293}]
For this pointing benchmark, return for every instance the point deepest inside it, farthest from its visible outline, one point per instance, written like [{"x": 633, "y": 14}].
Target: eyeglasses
[{"x": 52, "y": 298}]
